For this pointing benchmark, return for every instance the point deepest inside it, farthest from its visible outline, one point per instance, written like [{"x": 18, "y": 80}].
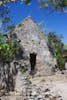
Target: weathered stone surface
[
  {"x": 33, "y": 40},
  {"x": 66, "y": 65},
  {"x": 7, "y": 76}
]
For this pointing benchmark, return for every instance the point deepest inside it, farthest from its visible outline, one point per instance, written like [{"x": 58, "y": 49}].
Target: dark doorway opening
[{"x": 33, "y": 61}]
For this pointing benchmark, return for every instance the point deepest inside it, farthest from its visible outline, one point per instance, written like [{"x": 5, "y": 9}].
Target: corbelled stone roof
[{"x": 34, "y": 40}]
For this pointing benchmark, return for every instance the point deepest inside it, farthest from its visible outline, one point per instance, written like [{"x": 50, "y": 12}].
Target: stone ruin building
[
  {"x": 35, "y": 46},
  {"x": 35, "y": 54}
]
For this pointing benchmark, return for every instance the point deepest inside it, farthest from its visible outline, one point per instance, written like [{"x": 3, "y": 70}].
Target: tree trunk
[{"x": 7, "y": 80}]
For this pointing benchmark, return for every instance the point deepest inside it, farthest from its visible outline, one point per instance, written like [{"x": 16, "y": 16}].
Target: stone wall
[
  {"x": 33, "y": 40},
  {"x": 8, "y": 72}
]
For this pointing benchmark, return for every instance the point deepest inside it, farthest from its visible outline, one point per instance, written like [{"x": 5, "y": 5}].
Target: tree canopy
[
  {"x": 5, "y": 16},
  {"x": 8, "y": 50},
  {"x": 58, "y": 46},
  {"x": 54, "y": 4}
]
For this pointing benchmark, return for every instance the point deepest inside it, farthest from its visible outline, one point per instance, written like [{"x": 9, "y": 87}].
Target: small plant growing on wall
[{"x": 20, "y": 25}]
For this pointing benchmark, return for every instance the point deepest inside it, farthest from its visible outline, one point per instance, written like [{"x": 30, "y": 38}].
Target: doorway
[{"x": 33, "y": 61}]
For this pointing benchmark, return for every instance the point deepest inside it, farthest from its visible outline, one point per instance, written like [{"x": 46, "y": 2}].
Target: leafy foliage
[
  {"x": 5, "y": 18},
  {"x": 2, "y": 2},
  {"x": 54, "y": 4},
  {"x": 65, "y": 46},
  {"x": 65, "y": 52},
  {"x": 20, "y": 25},
  {"x": 58, "y": 46},
  {"x": 8, "y": 50},
  {"x": 28, "y": 2}
]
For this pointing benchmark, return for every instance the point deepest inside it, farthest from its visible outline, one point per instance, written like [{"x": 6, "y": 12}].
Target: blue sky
[{"x": 54, "y": 22}]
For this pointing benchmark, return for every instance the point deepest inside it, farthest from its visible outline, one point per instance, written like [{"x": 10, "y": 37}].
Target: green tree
[
  {"x": 58, "y": 46},
  {"x": 5, "y": 19},
  {"x": 2, "y": 2},
  {"x": 65, "y": 52},
  {"x": 8, "y": 52},
  {"x": 5, "y": 16},
  {"x": 54, "y": 4},
  {"x": 7, "y": 49}
]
